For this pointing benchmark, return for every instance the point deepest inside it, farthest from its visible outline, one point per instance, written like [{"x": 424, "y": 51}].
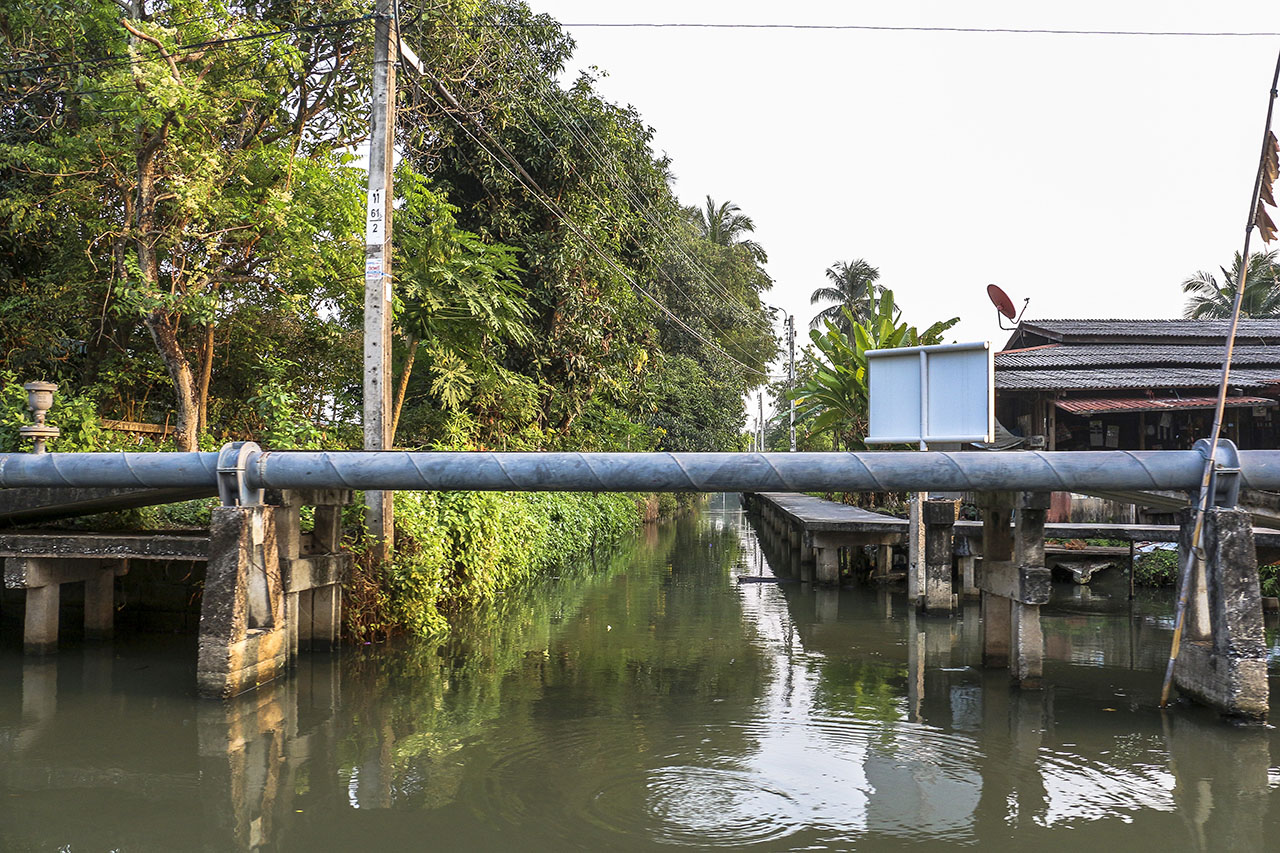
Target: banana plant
[{"x": 837, "y": 399}]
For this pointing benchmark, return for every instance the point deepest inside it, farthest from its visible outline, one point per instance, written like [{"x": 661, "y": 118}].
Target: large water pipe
[{"x": 626, "y": 472}]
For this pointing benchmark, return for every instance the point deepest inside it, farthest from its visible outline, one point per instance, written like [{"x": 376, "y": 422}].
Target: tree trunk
[
  {"x": 404, "y": 386},
  {"x": 206, "y": 371},
  {"x": 165, "y": 334}
]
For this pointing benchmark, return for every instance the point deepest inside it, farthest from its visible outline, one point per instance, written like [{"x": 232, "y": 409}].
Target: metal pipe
[{"x": 625, "y": 472}]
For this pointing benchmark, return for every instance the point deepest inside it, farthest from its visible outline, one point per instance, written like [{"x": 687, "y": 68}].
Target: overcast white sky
[{"x": 1090, "y": 173}]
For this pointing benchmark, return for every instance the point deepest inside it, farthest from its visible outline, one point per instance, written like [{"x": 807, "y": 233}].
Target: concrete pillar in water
[
  {"x": 1014, "y": 583},
  {"x": 884, "y": 560},
  {"x": 42, "y": 578},
  {"x": 916, "y": 547},
  {"x": 1227, "y": 670},
  {"x": 827, "y": 560},
  {"x": 243, "y": 640},
  {"x": 938, "y": 517}
]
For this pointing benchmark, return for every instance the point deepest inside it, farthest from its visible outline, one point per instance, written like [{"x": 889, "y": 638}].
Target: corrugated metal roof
[
  {"x": 1105, "y": 405},
  {"x": 1084, "y": 330},
  {"x": 1098, "y": 355},
  {"x": 1132, "y": 377}
]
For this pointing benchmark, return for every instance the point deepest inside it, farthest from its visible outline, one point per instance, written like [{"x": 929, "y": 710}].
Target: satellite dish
[{"x": 1004, "y": 306}]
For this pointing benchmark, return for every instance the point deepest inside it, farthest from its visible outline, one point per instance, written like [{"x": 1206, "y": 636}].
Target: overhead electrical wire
[
  {"x": 633, "y": 191},
  {"x": 518, "y": 172},
  {"x": 1047, "y": 31},
  {"x": 636, "y": 201}
]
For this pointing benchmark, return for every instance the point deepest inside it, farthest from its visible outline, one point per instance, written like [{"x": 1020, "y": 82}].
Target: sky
[{"x": 1090, "y": 174}]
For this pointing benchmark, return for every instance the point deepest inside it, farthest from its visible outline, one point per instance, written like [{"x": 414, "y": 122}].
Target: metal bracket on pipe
[
  {"x": 1224, "y": 480},
  {"x": 233, "y": 464}
]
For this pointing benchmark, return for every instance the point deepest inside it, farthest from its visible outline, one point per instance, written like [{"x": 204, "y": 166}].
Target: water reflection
[{"x": 669, "y": 695}]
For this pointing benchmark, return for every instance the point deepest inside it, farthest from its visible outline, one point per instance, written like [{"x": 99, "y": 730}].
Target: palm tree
[
  {"x": 1213, "y": 301},
  {"x": 725, "y": 224},
  {"x": 853, "y": 286}
]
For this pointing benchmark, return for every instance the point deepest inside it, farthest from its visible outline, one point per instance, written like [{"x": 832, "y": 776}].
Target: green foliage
[
  {"x": 1269, "y": 579},
  {"x": 458, "y": 549},
  {"x": 836, "y": 397},
  {"x": 1158, "y": 567},
  {"x": 1209, "y": 298}
]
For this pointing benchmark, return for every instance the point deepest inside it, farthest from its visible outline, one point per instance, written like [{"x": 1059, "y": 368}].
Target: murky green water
[{"x": 656, "y": 703}]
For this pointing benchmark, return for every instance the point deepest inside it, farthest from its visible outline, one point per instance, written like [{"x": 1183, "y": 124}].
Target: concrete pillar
[
  {"x": 884, "y": 560},
  {"x": 1228, "y": 671},
  {"x": 326, "y": 616},
  {"x": 40, "y": 624},
  {"x": 915, "y": 547},
  {"x": 1026, "y": 659},
  {"x": 827, "y": 561},
  {"x": 305, "y": 621},
  {"x": 243, "y": 642},
  {"x": 100, "y": 605},
  {"x": 996, "y": 620},
  {"x": 968, "y": 583},
  {"x": 939, "y": 517}
]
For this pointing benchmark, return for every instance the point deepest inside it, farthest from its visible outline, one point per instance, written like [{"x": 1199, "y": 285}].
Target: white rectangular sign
[{"x": 943, "y": 393}]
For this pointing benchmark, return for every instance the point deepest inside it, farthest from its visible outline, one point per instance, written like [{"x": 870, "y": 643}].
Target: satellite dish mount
[{"x": 1004, "y": 307}]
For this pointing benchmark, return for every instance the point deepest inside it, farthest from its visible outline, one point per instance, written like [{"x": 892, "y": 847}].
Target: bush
[
  {"x": 1156, "y": 568},
  {"x": 463, "y": 548}
]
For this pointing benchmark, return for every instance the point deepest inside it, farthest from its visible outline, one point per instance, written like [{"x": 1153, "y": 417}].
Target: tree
[
  {"x": 195, "y": 180},
  {"x": 1212, "y": 300},
  {"x": 724, "y": 225},
  {"x": 836, "y": 398},
  {"x": 853, "y": 286}
]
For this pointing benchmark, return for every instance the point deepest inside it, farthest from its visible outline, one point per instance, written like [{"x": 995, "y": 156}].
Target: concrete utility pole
[
  {"x": 380, "y": 518},
  {"x": 791, "y": 375},
  {"x": 760, "y": 403}
]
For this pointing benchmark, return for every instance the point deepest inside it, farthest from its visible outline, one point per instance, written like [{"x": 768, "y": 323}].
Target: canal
[{"x": 672, "y": 694}]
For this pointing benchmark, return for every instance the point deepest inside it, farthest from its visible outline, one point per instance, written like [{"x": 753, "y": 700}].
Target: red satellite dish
[{"x": 1001, "y": 300}]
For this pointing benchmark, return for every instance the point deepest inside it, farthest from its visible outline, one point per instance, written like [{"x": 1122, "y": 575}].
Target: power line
[
  {"x": 717, "y": 25},
  {"x": 599, "y": 153},
  {"x": 518, "y": 172},
  {"x": 636, "y": 200}
]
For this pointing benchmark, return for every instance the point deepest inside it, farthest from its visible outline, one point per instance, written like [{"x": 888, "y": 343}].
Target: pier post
[
  {"x": 1226, "y": 668},
  {"x": 1014, "y": 583},
  {"x": 884, "y": 561},
  {"x": 243, "y": 639},
  {"x": 939, "y": 517},
  {"x": 916, "y": 547}
]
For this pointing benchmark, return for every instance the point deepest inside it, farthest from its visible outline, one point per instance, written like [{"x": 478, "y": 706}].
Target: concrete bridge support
[
  {"x": 42, "y": 578},
  {"x": 312, "y": 566},
  {"x": 938, "y": 517},
  {"x": 1222, "y": 661},
  {"x": 1014, "y": 583},
  {"x": 244, "y": 638}
]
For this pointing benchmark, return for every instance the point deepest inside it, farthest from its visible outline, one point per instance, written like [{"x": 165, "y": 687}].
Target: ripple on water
[{"x": 699, "y": 806}]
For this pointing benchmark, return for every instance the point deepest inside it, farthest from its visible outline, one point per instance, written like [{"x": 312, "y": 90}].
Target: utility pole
[
  {"x": 791, "y": 376},
  {"x": 380, "y": 519},
  {"x": 760, "y": 403}
]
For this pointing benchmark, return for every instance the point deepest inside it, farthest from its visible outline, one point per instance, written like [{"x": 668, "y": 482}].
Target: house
[{"x": 1138, "y": 384}]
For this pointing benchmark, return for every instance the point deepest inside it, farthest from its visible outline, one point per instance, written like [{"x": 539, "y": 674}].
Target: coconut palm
[
  {"x": 853, "y": 286},
  {"x": 1211, "y": 299},
  {"x": 724, "y": 225}
]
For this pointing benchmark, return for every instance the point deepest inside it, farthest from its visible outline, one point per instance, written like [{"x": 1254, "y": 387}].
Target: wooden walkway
[{"x": 817, "y": 515}]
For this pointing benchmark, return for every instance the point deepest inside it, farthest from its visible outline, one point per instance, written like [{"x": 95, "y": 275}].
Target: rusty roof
[{"x": 1105, "y": 405}]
